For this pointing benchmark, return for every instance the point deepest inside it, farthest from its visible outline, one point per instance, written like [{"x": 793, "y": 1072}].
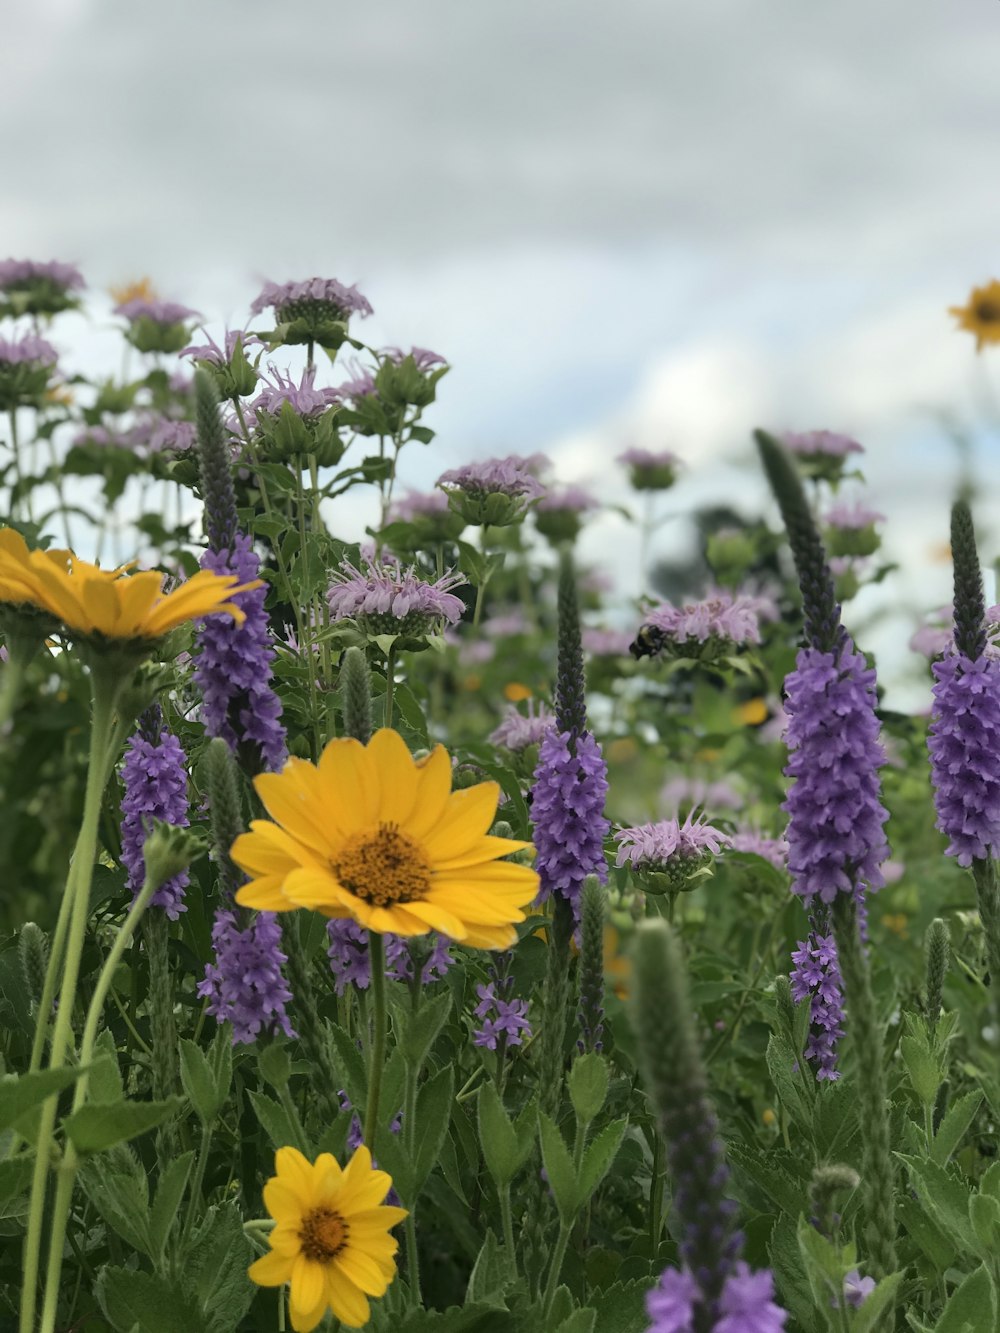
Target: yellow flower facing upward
[
  {"x": 514, "y": 692},
  {"x": 109, "y": 602},
  {"x": 331, "y": 1241},
  {"x": 981, "y": 314},
  {"x": 371, "y": 833}
]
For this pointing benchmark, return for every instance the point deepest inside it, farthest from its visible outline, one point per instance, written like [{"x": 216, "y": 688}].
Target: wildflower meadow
[{"x": 422, "y": 934}]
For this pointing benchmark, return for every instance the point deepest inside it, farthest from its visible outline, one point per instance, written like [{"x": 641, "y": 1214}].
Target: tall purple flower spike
[{"x": 155, "y": 779}]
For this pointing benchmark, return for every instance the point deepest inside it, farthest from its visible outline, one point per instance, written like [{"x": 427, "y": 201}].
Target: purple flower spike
[
  {"x": 964, "y": 745},
  {"x": 245, "y": 985},
  {"x": 671, "y": 1304},
  {"x": 233, "y": 665},
  {"x": 567, "y": 811},
  {"x": 835, "y": 836},
  {"x": 817, "y": 978},
  {"x": 350, "y": 961},
  {"x": 155, "y": 779},
  {"x": 746, "y": 1304}
]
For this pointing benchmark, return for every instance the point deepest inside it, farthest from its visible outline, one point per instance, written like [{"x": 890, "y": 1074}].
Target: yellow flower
[
  {"x": 516, "y": 693},
  {"x": 141, "y": 289},
  {"x": 622, "y": 749},
  {"x": 331, "y": 1241},
  {"x": 108, "y": 602},
  {"x": 981, "y": 314},
  {"x": 897, "y": 922},
  {"x": 372, "y": 834},
  {"x": 769, "y": 1118},
  {"x": 751, "y": 713}
]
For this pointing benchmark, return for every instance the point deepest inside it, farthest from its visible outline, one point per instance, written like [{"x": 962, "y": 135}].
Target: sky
[{"x": 655, "y": 223}]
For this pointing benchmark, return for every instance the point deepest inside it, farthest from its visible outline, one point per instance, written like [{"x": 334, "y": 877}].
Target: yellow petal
[
  {"x": 135, "y": 597},
  {"x": 346, "y": 1302},
  {"x": 490, "y": 937},
  {"x": 434, "y": 777},
  {"x": 438, "y": 917},
  {"x": 364, "y": 1272},
  {"x": 295, "y": 1172},
  {"x": 350, "y": 785},
  {"x": 265, "y": 895},
  {"x": 486, "y": 849},
  {"x": 101, "y": 608},
  {"x": 308, "y": 1285},
  {"x": 398, "y": 778},
  {"x": 282, "y": 1200},
  {"x": 312, "y": 886},
  {"x": 292, "y": 799},
  {"x": 271, "y": 1270},
  {"x": 466, "y": 817},
  {"x": 480, "y": 909}
]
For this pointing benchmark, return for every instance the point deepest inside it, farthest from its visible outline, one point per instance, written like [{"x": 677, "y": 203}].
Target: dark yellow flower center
[
  {"x": 384, "y": 867},
  {"x": 988, "y": 312},
  {"x": 323, "y": 1235}
]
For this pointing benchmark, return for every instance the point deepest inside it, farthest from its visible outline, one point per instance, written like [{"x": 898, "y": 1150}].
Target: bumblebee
[{"x": 648, "y": 642}]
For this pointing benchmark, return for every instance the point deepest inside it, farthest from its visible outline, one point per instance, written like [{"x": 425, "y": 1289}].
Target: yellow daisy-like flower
[
  {"x": 373, "y": 834},
  {"x": 331, "y": 1241},
  {"x": 111, "y": 603},
  {"x": 981, "y": 314}
]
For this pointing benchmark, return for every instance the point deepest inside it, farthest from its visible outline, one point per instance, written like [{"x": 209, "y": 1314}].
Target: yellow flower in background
[
  {"x": 109, "y": 602},
  {"x": 897, "y": 922},
  {"x": 981, "y": 314},
  {"x": 331, "y": 1241},
  {"x": 516, "y": 693},
  {"x": 141, "y": 289},
  {"x": 751, "y": 713},
  {"x": 371, "y": 833},
  {"x": 622, "y": 749}
]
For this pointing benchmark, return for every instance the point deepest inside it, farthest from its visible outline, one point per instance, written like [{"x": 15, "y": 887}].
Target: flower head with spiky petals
[
  {"x": 383, "y": 597},
  {"x": 981, "y": 314},
  {"x": 373, "y": 834},
  {"x": 331, "y": 1241}
]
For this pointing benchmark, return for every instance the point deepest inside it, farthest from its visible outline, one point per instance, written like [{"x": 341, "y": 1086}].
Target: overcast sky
[{"x": 657, "y": 223}]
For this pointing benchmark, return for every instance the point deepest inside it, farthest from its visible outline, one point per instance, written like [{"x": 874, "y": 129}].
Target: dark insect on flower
[{"x": 648, "y": 642}]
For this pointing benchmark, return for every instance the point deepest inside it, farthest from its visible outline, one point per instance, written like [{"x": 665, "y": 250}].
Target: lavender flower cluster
[
  {"x": 154, "y": 774},
  {"x": 350, "y": 959},
  {"x": 835, "y": 837},
  {"x": 245, "y": 985},
  {"x": 746, "y": 1304},
  {"x": 816, "y": 978},
  {"x": 567, "y": 810},
  {"x": 500, "y": 1019},
  {"x": 964, "y": 745}
]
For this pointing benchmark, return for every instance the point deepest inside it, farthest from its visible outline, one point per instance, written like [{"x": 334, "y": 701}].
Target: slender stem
[
  {"x": 377, "y": 993},
  {"x": 15, "y": 502},
  {"x": 195, "y": 1196},
  {"x": 877, "y": 1175},
  {"x": 656, "y": 1195},
  {"x": 10, "y": 690},
  {"x": 410, "y": 1138},
  {"x": 57, "y": 482},
  {"x": 558, "y": 1255},
  {"x": 105, "y": 687},
  {"x": 508, "y": 1221},
  {"x": 390, "y": 683},
  {"x": 988, "y": 898},
  {"x": 52, "y": 974}
]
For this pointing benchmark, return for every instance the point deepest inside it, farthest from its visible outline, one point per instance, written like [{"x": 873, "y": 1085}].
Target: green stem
[
  {"x": 508, "y": 1222},
  {"x": 559, "y": 1254},
  {"x": 377, "y": 994},
  {"x": 195, "y": 1196},
  {"x": 877, "y": 1175},
  {"x": 10, "y": 691},
  {"x": 52, "y": 974},
  {"x": 390, "y": 683},
  {"x": 656, "y": 1195},
  {"x": 410, "y": 1138},
  {"x": 104, "y": 687},
  {"x": 988, "y": 897}
]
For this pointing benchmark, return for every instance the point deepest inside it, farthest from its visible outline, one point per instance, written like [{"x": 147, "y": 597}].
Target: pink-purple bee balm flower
[
  {"x": 385, "y": 598},
  {"x": 720, "y": 623},
  {"x": 823, "y": 443},
  {"x": 304, "y": 397},
  {"x": 774, "y": 850},
  {"x": 964, "y": 745},
  {"x": 29, "y": 350},
  {"x": 835, "y": 837},
  {"x": 669, "y": 848},
  {"x": 314, "y": 297},
  {"x": 494, "y": 491},
  {"x": 159, "y": 312},
  {"x": 516, "y": 731},
  {"x": 23, "y": 273},
  {"x": 852, "y": 515}
]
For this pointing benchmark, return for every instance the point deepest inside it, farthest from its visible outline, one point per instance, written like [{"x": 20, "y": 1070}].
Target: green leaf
[
  {"x": 580, "y": 1321},
  {"x": 492, "y": 1275},
  {"x": 351, "y": 1066},
  {"x": 105, "y": 1075},
  {"x": 120, "y": 1193},
  {"x": 588, "y": 1085},
  {"x": 922, "y": 1067},
  {"x": 621, "y": 1308},
  {"x": 198, "y": 1079},
  {"x": 953, "y": 1127},
  {"x": 21, "y": 1094},
  {"x": 945, "y": 1197},
  {"x": 876, "y": 1304},
  {"x": 421, "y": 1031},
  {"x": 458, "y": 1319},
  {"x": 434, "y": 1103},
  {"x": 972, "y": 1307},
  {"x": 776, "y": 1183},
  {"x": 559, "y": 1169},
  {"x": 15, "y": 1178},
  {"x": 781, "y": 1063},
  {"x": 599, "y": 1156},
  {"x": 984, "y": 1215},
  {"x": 154, "y": 1304},
  {"x": 99, "y": 1125},
  {"x": 275, "y": 1120},
  {"x": 914, "y": 1219},
  {"x": 822, "y": 1261},
  {"x": 169, "y": 1193},
  {"x": 218, "y": 1268},
  {"x": 496, "y": 1135}
]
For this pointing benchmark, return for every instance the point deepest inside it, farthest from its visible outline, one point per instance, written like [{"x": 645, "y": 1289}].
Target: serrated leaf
[
  {"x": 459, "y": 1319},
  {"x": 492, "y": 1275},
  {"x": 169, "y": 1193},
  {"x": 421, "y": 1031},
  {"x": 954, "y": 1126},
  {"x": 98, "y": 1125},
  {"x": 621, "y": 1308},
  {"x": 788, "y": 1194},
  {"x": 788, "y": 1085},
  {"x": 925, "y": 1231},
  {"x": 122, "y": 1199},
  {"x": 971, "y": 1307},
  {"x": 154, "y": 1304},
  {"x": 105, "y": 1075},
  {"x": 598, "y": 1158},
  {"x": 219, "y": 1269},
  {"x": 274, "y": 1119},
  {"x": 21, "y": 1094},
  {"x": 945, "y": 1197},
  {"x": 496, "y": 1135},
  {"x": 198, "y": 1078},
  {"x": 351, "y": 1066},
  {"x": 559, "y": 1169},
  {"x": 434, "y": 1102}
]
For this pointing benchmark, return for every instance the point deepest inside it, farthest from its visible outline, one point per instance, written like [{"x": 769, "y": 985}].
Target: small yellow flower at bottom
[{"x": 332, "y": 1240}]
